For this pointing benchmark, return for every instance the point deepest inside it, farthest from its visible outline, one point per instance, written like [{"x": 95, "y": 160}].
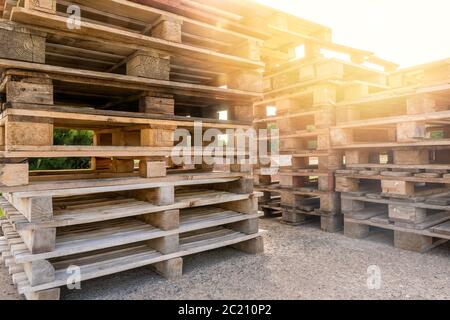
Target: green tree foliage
[{"x": 66, "y": 137}]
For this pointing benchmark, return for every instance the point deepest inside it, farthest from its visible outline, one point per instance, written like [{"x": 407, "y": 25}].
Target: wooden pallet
[
  {"x": 404, "y": 238},
  {"x": 394, "y": 184},
  {"x": 420, "y": 214},
  {"x": 104, "y": 232}
]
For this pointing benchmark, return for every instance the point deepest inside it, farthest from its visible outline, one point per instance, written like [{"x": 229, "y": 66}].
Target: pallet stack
[
  {"x": 396, "y": 146},
  {"x": 132, "y": 74},
  {"x": 305, "y": 93}
]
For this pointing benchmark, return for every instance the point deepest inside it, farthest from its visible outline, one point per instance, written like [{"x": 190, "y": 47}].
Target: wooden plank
[
  {"x": 35, "y": 188},
  {"x": 443, "y": 228},
  {"x": 88, "y": 115}
]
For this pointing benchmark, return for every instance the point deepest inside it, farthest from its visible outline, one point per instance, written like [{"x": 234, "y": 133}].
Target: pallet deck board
[{"x": 89, "y": 186}]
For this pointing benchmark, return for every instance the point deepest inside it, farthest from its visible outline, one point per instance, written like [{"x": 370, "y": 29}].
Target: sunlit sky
[{"x": 407, "y": 32}]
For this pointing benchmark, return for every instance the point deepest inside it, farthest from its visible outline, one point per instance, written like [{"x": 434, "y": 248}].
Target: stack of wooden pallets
[
  {"x": 132, "y": 74},
  {"x": 397, "y": 158},
  {"x": 304, "y": 92}
]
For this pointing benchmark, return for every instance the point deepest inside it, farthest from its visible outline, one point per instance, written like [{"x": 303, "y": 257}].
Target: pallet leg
[
  {"x": 165, "y": 220},
  {"x": 51, "y": 294},
  {"x": 39, "y": 272},
  {"x": 331, "y": 224},
  {"x": 149, "y": 65},
  {"x": 39, "y": 240},
  {"x": 412, "y": 242},
  {"x": 268, "y": 213},
  {"x": 248, "y": 206},
  {"x": 290, "y": 216},
  {"x": 152, "y": 169},
  {"x": 250, "y": 226},
  {"x": 161, "y": 196},
  {"x": 170, "y": 269},
  {"x": 14, "y": 174},
  {"x": 356, "y": 230},
  {"x": 241, "y": 186},
  {"x": 253, "y": 246}
]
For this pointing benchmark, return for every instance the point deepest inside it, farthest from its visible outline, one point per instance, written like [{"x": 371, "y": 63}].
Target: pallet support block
[
  {"x": 344, "y": 184},
  {"x": 154, "y": 103},
  {"x": 243, "y": 185},
  {"x": 291, "y": 216},
  {"x": 152, "y": 169},
  {"x": 356, "y": 157},
  {"x": 252, "y": 246},
  {"x": 39, "y": 240},
  {"x": 404, "y": 188},
  {"x": 37, "y": 90},
  {"x": 411, "y": 156},
  {"x": 165, "y": 245},
  {"x": 23, "y": 131},
  {"x": 250, "y": 226},
  {"x": 165, "y": 220},
  {"x": 248, "y": 49},
  {"x": 300, "y": 163},
  {"x": 14, "y": 174},
  {"x": 356, "y": 230},
  {"x": 290, "y": 181},
  {"x": 122, "y": 165},
  {"x": 51, "y": 294},
  {"x": 324, "y": 118},
  {"x": 324, "y": 95},
  {"x": 323, "y": 142},
  {"x": 333, "y": 161},
  {"x": 412, "y": 242},
  {"x": 48, "y": 6},
  {"x": 411, "y": 131},
  {"x": 248, "y": 206},
  {"x": 39, "y": 272},
  {"x": 326, "y": 183},
  {"x": 341, "y": 137},
  {"x": 169, "y": 269},
  {"x": 35, "y": 209},
  {"x": 23, "y": 44},
  {"x": 161, "y": 196},
  {"x": 331, "y": 223},
  {"x": 407, "y": 214},
  {"x": 422, "y": 103},
  {"x": 330, "y": 202},
  {"x": 149, "y": 65},
  {"x": 157, "y": 137},
  {"x": 348, "y": 205},
  {"x": 167, "y": 28},
  {"x": 245, "y": 80}
]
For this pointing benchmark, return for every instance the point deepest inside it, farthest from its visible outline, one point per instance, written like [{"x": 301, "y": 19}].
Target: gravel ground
[{"x": 299, "y": 263}]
